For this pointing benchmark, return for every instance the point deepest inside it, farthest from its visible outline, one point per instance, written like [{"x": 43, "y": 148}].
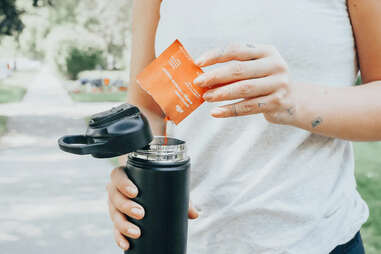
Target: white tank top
[{"x": 261, "y": 187}]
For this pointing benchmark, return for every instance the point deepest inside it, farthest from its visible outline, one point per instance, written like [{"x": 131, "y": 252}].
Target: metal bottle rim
[{"x": 162, "y": 149}]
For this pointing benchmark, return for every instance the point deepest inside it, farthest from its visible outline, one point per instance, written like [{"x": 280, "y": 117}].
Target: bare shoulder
[{"x": 366, "y": 22}]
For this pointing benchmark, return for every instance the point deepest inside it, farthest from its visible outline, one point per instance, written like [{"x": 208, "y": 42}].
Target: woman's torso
[{"x": 265, "y": 188}]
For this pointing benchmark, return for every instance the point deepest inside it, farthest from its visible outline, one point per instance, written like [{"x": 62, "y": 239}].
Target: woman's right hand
[{"x": 120, "y": 192}]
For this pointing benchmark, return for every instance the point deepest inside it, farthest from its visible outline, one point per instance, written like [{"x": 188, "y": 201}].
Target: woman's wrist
[
  {"x": 312, "y": 103},
  {"x": 300, "y": 97}
]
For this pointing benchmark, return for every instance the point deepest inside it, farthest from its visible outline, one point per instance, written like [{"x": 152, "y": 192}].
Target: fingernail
[
  {"x": 123, "y": 245},
  {"x": 207, "y": 96},
  {"x": 199, "y": 80},
  {"x": 137, "y": 211},
  {"x": 218, "y": 111},
  {"x": 133, "y": 231},
  {"x": 132, "y": 190}
]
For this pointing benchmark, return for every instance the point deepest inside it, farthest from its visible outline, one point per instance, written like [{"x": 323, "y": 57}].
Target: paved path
[{"x": 50, "y": 201}]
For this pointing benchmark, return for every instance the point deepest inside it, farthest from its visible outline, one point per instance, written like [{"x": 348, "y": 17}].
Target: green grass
[
  {"x": 99, "y": 97},
  {"x": 12, "y": 88},
  {"x": 19, "y": 78},
  {"x": 3, "y": 125},
  {"x": 368, "y": 175},
  {"x": 11, "y": 93}
]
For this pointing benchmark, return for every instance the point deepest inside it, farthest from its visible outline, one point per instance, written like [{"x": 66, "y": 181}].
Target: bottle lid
[
  {"x": 162, "y": 149},
  {"x": 112, "y": 133}
]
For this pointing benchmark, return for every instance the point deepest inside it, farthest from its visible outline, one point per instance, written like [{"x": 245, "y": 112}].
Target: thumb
[{"x": 192, "y": 212}]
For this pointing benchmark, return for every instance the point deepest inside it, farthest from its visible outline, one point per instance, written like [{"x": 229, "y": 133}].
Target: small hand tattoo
[
  {"x": 249, "y": 45},
  {"x": 235, "y": 112},
  {"x": 291, "y": 111},
  {"x": 315, "y": 123},
  {"x": 261, "y": 104}
]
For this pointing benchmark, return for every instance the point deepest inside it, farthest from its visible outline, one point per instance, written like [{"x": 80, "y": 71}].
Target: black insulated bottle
[{"x": 159, "y": 167}]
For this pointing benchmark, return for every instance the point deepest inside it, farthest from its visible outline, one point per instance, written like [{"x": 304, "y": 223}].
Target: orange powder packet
[{"x": 169, "y": 80}]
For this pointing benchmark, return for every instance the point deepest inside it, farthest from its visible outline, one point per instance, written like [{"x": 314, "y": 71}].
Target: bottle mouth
[{"x": 162, "y": 149}]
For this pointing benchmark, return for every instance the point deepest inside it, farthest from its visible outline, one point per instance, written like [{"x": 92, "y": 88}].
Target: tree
[
  {"x": 111, "y": 20},
  {"x": 10, "y": 22},
  {"x": 107, "y": 21},
  {"x": 37, "y": 3},
  {"x": 10, "y": 16}
]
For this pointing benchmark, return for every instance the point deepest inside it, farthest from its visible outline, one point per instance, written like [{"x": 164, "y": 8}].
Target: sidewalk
[{"x": 50, "y": 201}]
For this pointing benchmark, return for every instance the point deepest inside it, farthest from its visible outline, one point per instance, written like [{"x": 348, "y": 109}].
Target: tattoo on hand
[
  {"x": 315, "y": 123},
  {"x": 261, "y": 104},
  {"x": 235, "y": 112},
  {"x": 249, "y": 45}
]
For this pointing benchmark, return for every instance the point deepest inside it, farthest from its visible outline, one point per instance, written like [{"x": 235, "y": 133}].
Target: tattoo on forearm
[
  {"x": 318, "y": 121},
  {"x": 291, "y": 111}
]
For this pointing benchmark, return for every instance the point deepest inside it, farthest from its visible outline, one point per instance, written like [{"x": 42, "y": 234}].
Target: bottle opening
[{"x": 162, "y": 149}]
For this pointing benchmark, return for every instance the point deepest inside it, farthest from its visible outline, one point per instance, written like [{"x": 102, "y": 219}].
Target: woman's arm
[
  {"x": 352, "y": 113},
  {"x": 261, "y": 79},
  {"x": 146, "y": 16},
  {"x": 121, "y": 190},
  {"x": 366, "y": 22}
]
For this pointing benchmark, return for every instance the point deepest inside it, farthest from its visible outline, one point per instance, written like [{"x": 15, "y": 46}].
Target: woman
[{"x": 272, "y": 172}]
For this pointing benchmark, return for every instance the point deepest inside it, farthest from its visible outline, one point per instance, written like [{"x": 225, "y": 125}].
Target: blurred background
[{"x": 60, "y": 62}]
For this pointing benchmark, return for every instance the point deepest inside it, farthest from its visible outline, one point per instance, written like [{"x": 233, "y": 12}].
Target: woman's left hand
[{"x": 258, "y": 75}]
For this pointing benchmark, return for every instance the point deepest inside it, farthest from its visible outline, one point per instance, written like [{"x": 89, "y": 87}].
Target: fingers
[
  {"x": 236, "y": 71},
  {"x": 123, "y": 204},
  {"x": 192, "y": 212},
  {"x": 242, "y": 89},
  {"x": 120, "y": 180},
  {"x": 121, "y": 224},
  {"x": 120, "y": 190},
  {"x": 239, "y": 52},
  {"x": 249, "y": 106},
  {"x": 245, "y": 62},
  {"x": 120, "y": 240}
]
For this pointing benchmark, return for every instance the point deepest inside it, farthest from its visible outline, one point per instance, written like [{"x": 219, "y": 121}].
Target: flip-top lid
[{"x": 112, "y": 133}]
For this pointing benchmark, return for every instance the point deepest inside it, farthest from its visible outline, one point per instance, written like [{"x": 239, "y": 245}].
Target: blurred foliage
[
  {"x": 81, "y": 60},
  {"x": 62, "y": 41},
  {"x": 12, "y": 89},
  {"x": 3, "y": 125},
  {"x": 108, "y": 20},
  {"x": 63, "y": 12},
  {"x": 99, "y": 97},
  {"x": 368, "y": 175},
  {"x": 10, "y": 22},
  {"x": 37, "y": 3},
  {"x": 359, "y": 81},
  {"x": 11, "y": 93},
  {"x": 10, "y": 16}
]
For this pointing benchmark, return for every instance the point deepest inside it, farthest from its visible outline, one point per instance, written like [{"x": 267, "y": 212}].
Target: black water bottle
[{"x": 158, "y": 166}]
